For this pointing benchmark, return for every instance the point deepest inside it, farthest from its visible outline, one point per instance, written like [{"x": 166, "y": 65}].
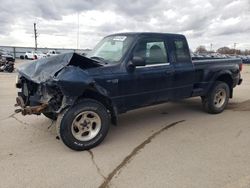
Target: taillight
[{"x": 240, "y": 67}]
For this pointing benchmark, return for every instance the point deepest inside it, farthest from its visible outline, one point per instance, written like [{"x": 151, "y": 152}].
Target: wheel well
[
  {"x": 92, "y": 94},
  {"x": 228, "y": 80}
]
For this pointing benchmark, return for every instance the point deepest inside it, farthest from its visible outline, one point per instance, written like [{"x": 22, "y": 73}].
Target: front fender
[{"x": 72, "y": 81}]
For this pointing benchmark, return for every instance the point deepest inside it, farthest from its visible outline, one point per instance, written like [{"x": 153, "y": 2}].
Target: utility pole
[
  {"x": 35, "y": 33},
  {"x": 77, "y": 40},
  {"x": 211, "y": 47},
  {"x": 235, "y": 48}
]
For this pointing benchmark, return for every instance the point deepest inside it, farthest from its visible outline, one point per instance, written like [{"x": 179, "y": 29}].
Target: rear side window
[{"x": 181, "y": 51}]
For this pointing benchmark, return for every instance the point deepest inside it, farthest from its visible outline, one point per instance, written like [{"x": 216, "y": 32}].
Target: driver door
[{"x": 148, "y": 84}]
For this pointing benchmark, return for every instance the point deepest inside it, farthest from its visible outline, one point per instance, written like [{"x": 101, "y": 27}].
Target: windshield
[{"x": 111, "y": 48}]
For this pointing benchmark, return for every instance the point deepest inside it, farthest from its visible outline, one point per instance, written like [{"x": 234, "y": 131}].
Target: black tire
[
  {"x": 66, "y": 127},
  {"x": 50, "y": 115},
  {"x": 209, "y": 102},
  {"x": 9, "y": 68},
  {"x": 26, "y": 57}
]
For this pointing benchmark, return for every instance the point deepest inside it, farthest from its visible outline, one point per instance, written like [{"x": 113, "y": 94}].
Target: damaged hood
[{"x": 46, "y": 69}]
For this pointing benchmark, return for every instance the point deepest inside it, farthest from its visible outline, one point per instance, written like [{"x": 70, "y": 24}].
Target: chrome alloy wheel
[
  {"x": 86, "y": 125},
  {"x": 220, "y": 98}
]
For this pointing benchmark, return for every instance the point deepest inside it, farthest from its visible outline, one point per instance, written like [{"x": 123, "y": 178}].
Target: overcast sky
[{"x": 220, "y": 22}]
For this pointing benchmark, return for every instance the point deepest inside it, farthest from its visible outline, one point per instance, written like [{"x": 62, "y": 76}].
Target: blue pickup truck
[{"x": 123, "y": 72}]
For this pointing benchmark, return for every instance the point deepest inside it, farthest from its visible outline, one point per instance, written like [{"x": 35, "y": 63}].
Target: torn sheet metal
[
  {"x": 73, "y": 80},
  {"x": 46, "y": 69}
]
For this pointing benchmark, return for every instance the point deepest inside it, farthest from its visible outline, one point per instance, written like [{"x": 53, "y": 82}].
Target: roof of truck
[{"x": 148, "y": 33}]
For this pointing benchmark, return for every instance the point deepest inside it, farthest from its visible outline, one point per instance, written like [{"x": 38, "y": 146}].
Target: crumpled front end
[
  {"x": 51, "y": 85},
  {"x": 37, "y": 98}
]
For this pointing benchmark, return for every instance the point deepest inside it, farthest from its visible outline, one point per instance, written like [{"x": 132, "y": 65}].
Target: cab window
[
  {"x": 152, "y": 50},
  {"x": 181, "y": 51}
]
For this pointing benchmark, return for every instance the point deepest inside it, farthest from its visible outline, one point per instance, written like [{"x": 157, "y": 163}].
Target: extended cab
[{"x": 123, "y": 72}]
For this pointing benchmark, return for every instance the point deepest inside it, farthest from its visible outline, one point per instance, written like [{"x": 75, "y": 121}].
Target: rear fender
[{"x": 224, "y": 76}]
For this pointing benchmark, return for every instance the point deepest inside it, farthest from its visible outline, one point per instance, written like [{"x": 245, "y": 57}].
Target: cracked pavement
[{"x": 168, "y": 145}]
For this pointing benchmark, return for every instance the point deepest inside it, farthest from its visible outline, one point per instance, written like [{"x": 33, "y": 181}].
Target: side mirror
[{"x": 138, "y": 61}]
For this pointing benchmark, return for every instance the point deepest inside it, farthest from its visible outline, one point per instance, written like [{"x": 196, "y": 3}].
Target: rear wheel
[
  {"x": 217, "y": 99},
  {"x": 84, "y": 125}
]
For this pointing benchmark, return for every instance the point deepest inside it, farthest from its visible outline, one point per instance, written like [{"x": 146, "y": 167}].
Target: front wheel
[
  {"x": 84, "y": 125},
  {"x": 217, "y": 99}
]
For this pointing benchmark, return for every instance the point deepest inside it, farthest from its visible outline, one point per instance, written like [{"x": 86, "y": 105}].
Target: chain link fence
[{"x": 18, "y": 51}]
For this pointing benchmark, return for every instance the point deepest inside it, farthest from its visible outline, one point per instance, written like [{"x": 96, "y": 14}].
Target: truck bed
[{"x": 205, "y": 68}]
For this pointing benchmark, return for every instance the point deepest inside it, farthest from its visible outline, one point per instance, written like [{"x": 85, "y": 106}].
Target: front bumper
[
  {"x": 37, "y": 98},
  {"x": 28, "y": 110}
]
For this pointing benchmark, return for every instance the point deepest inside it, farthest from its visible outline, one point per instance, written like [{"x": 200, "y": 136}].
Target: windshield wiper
[{"x": 99, "y": 59}]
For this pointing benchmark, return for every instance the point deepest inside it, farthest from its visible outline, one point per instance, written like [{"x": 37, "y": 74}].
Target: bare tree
[
  {"x": 226, "y": 50},
  {"x": 201, "y": 49}
]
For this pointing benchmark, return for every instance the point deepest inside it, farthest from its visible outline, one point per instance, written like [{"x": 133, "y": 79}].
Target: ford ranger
[{"x": 123, "y": 72}]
